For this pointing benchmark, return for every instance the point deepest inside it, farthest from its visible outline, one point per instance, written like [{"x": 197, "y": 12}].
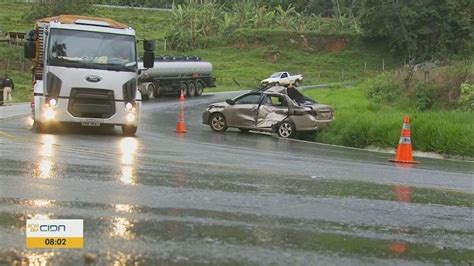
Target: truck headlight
[
  {"x": 49, "y": 114},
  {"x": 130, "y": 117},
  {"x": 53, "y": 102},
  {"x": 129, "y": 106}
]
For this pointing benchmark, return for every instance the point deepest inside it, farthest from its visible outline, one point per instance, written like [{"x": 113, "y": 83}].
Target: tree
[{"x": 422, "y": 29}]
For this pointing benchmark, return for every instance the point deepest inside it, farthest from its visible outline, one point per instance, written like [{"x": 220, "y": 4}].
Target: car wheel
[
  {"x": 199, "y": 88},
  {"x": 129, "y": 130},
  {"x": 286, "y": 129},
  {"x": 217, "y": 122},
  {"x": 244, "y": 130}
]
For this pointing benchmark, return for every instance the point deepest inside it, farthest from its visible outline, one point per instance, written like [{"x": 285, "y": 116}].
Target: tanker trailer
[{"x": 171, "y": 74}]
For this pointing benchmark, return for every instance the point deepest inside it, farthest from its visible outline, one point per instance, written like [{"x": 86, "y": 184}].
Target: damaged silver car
[{"x": 277, "y": 109}]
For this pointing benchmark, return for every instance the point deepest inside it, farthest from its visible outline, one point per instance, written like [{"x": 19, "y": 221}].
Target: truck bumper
[{"x": 60, "y": 113}]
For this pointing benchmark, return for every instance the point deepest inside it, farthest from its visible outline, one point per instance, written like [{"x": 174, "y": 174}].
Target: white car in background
[{"x": 282, "y": 79}]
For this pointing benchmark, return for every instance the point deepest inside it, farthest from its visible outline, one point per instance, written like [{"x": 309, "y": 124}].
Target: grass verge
[{"x": 360, "y": 123}]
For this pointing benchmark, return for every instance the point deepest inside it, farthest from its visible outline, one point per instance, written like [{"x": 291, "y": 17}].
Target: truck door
[
  {"x": 244, "y": 111},
  {"x": 274, "y": 109},
  {"x": 284, "y": 78}
]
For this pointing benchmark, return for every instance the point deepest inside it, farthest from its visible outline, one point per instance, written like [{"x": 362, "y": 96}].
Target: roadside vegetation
[
  {"x": 247, "y": 54},
  {"x": 405, "y": 57},
  {"x": 371, "y": 113}
]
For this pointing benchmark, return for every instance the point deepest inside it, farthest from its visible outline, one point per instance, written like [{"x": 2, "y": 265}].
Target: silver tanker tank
[
  {"x": 176, "y": 68},
  {"x": 173, "y": 74}
]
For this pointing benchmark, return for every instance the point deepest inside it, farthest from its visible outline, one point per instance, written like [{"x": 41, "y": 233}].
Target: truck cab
[{"x": 85, "y": 71}]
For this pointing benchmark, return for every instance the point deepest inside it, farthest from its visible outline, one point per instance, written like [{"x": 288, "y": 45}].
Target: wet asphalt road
[{"x": 232, "y": 198}]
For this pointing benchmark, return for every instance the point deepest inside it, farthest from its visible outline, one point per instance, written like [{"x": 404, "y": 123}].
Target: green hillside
[{"x": 243, "y": 59}]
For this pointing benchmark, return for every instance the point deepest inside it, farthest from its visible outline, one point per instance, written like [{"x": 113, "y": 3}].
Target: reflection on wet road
[{"x": 232, "y": 198}]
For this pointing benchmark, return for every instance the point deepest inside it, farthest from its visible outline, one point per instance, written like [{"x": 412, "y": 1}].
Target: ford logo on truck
[{"x": 93, "y": 79}]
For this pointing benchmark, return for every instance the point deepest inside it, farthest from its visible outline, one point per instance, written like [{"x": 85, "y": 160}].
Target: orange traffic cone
[
  {"x": 181, "y": 95},
  {"x": 180, "y": 126},
  {"x": 404, "y": 150}
]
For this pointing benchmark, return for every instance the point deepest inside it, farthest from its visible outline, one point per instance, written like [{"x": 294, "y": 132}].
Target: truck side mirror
[
  {"x": 148, "y": 59},
  {"x": 149, "y": 54},
  {"x": 30, "y": 44},
  {"x": 30, "y": 49}
]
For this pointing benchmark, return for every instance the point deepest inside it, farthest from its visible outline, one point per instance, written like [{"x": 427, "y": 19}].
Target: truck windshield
[{"x": 85, "y": 49}]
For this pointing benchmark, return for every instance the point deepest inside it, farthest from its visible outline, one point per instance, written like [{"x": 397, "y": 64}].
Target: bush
[
  {"x": 384, "y": 88},
  {"x": 426, "y": 87},
  {"x": 210, "y": 19},
  {"x": 180, "y": 40},
  {"x": 361, "y": 123},
  {"x": 466, "y": 99},
  {"x": 426, "y": 95}
]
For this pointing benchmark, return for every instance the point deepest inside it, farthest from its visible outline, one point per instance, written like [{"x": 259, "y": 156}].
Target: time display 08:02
[{"x": 55, "y": 241}]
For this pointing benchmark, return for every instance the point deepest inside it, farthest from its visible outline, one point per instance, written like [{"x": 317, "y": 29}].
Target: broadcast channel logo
[{"x": 55, "y": 233}]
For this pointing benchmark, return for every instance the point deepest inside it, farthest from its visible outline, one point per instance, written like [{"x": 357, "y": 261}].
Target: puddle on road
[
  {"x": 148, "y": 227},
  {"x": 243, "y": 181},
  {"x": 262, "y": 232}
]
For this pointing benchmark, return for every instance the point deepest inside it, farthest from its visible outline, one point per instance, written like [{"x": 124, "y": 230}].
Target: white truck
[
  {"x": 85, "y": 71},
  {"x": 171, "y": 74},
  {"x": 282, "y": 78}
]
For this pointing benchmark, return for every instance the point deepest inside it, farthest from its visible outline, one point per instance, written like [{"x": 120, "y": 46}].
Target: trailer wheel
[
  {"x": 157, "y": 89},
  {"x": 184, "y": 87},
  {"x": 150, "y": 91},
  {"x": 199, "y": 88},
  {"x": 191, "y": 89}
]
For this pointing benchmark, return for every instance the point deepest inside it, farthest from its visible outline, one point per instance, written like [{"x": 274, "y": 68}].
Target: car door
[
  {"x": 273, "y": 109},
  {"x": 243, "y": 112}
]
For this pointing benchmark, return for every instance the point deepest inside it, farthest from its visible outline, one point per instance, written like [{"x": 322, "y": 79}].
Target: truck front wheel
[
  {"x": 150, "y": 91},
  {"x": 129, "y": 130},
  {"x": 38, "y": 127}
]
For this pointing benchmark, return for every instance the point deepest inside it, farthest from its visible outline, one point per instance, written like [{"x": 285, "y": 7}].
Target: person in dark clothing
[{"x": 8, "y": 87}]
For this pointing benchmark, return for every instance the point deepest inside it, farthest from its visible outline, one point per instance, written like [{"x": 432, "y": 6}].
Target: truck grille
[{"x": 92, "y": 103}]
